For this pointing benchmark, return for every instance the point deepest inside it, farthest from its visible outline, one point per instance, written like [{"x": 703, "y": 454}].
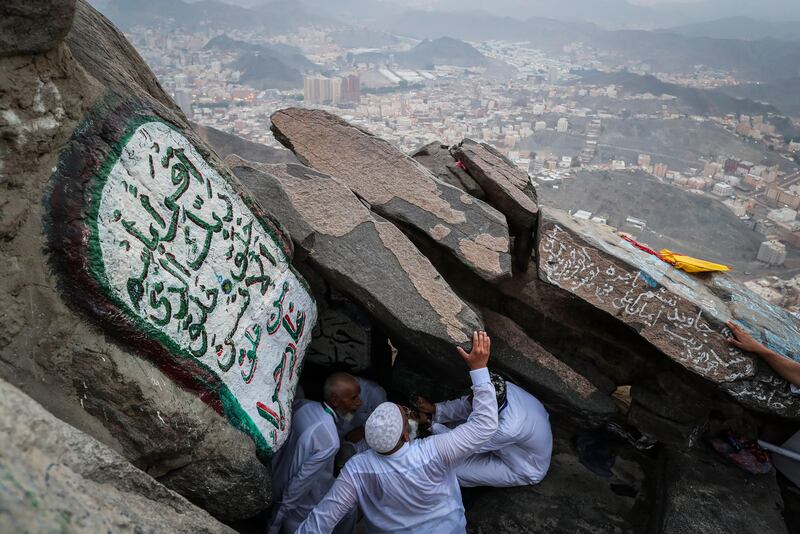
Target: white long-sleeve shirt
[
  {"x": 415, "y": 489},
  {"x": 302, "y": 470},
  {"x": 372, "y": 395},
  {"x": 524, "y": 439}
]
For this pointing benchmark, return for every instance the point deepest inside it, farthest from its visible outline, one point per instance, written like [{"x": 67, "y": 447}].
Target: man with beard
[
  {"x": 353, "y": 399},
  {"x": 302, "y": 470}
]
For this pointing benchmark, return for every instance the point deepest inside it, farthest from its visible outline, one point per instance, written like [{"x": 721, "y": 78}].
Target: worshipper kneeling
[
  {"x": 302, "y": 470},
  {"x": 519, "y": 452},
  {"x": 411, "y": 487},
  {"x": 356, "y": 398}
]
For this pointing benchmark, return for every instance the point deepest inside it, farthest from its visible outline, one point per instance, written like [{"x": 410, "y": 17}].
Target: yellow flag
[{"x": 689, "y": 264}]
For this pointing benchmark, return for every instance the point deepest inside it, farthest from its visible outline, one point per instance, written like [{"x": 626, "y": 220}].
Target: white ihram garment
[
  {"x": 414, "y": 490},
  {"x": 302, "y": 470},
  {"x": 519, "y": 452}
]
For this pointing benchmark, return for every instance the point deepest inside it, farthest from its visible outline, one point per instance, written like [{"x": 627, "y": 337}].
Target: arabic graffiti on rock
[
  {"x": 671, "y": 322},
  {"x": 181, "y": 252},
  {"x": 340, "y": 340}
]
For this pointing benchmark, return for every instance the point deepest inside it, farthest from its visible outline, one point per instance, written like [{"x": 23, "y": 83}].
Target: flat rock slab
[
  {"x": 436, "y": 158},
  {"x": 58, "y": 479},
  {"x": 225, "y": 144},
  {"x": 700, "y": 493},
  {"x": 507, "y": 188},
  {"x": 542, "y": 374},
  {"x": 399, "y": 189},
  {"x": 364, "y": 256},
  {"x": 680, "y": 314}
]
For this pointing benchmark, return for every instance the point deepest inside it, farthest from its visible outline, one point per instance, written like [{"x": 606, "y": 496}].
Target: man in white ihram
[
  {"x": 357, "y": 397},
  {"x": 302, "y": 470},
  {"x": 519, "y": 452},
  {"x": 405, "y": 488}
]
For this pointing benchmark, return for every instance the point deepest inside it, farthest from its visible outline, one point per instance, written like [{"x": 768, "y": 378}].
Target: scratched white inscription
[{"x": 636, "y": 298}]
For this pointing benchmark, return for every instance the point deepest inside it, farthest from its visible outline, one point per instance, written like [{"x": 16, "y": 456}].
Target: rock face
[
  {"x": 225, "y": 144},
  {"x": 542, "y": 374},
  {"x": 507, "y": 188},
  {"x": 399, "y": 189},
  {"x": 436, "y": 157},
  {"x": 701, "y": 494},
  {"x": 364, "y": 256},
  {"x": 152, "y": 298},
  {"x": 569, "y": 499},
  {"x": 33, "y": 27},
  {"x": 56, "y": 477},
  {"x": 681, "y": 315}
]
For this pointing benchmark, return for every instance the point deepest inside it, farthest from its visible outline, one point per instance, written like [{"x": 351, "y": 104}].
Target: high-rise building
[
  {"x": 772, "y": 252},
  {"x": 644, "y": 160},
  {"x": 553, "y": 75},
  {"x": 321, "y": 90},
  {"x": 562, "y": 126},
  {"x": 660, "y": 170},
  {"x": 351, "y": 88},
  {"x": 184, "y": 100}
]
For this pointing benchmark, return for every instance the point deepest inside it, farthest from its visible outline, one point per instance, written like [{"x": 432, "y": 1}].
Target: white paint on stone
[
  {"x": 186, "y": 258},
  {"x": 638, "y": 298}
]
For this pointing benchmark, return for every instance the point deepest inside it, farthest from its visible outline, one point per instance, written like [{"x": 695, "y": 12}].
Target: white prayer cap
[{"x": 384, "y": 427}]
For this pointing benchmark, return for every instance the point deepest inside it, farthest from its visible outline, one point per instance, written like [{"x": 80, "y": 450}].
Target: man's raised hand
[
  {"x": 478, "y": 357},
  {"x": 742, "y": 340}
]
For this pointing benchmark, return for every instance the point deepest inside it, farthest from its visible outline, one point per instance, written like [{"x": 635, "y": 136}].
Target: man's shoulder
[{"x": 370, "y": 386}]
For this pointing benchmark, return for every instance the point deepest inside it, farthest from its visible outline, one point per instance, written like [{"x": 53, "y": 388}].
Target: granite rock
[
  {"x": 700, "y": 493},
  {"x": 400, "y": 189},
  {"x": 552, "y": 381},
  {"x": 436, "y": 158},
  {"x": 365, "y": 257},
  {"x": 71, "y": 336},
  {"x": 33, "y": 27},
  {"x": 681, "y": 315},
  {"x": 56, "y": 478},
  {"x": 507, "y": 188}
]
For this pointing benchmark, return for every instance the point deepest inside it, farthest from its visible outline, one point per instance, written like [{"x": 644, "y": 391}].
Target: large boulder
[
  {"x": 507, "y": 188},
  {"x": 699, "y": 493},
  {"x": 33, "y": 27},
  {"x": 542, "y": 374},
  {"x": 436, "y": 157},
  {"x": 56, "y": 478},
  {"x": 681, "y": 315},
  {"x": 365, "y": 257},
  {"x": 400, "y": 189},
  {"x": 147, "y": 299},
  {"x": 569, "y": 499}
]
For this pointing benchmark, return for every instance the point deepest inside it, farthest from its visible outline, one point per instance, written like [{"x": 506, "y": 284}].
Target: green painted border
[{"x": 233, "y": 410}]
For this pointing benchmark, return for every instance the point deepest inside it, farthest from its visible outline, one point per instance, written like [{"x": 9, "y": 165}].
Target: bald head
[{"x": 342, "y": 392}]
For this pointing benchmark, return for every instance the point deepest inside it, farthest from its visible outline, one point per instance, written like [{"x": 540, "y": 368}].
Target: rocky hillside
[{"x": 161, "y": 305}]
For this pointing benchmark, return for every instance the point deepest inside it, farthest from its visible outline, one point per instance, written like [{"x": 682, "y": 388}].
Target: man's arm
[
  {"x": 464, "y": 440},
  {"x": 785, "y": 367},
  {"x": 341, "y": 498},
  {"x": 452, "y": 411}
]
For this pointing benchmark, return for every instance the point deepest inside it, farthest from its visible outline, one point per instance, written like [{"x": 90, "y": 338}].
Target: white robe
[
  {"x": 519, "y": 452},
  {"x": 372, "y": 395},
  {"x": 415, "y": 489},
  {"x": 302, "y": 470}
]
